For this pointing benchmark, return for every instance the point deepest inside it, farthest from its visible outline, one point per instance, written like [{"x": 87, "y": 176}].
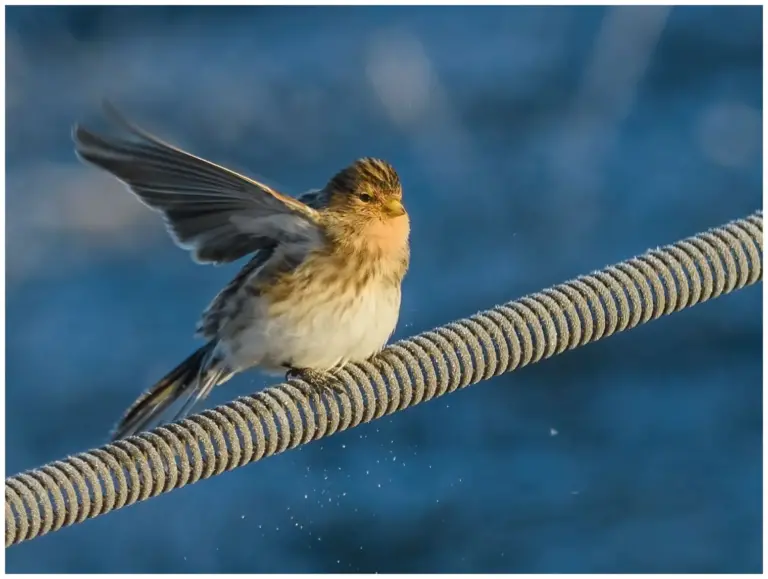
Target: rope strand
[{"x": 406, "y": 373}]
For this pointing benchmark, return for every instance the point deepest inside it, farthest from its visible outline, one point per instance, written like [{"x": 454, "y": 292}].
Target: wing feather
[{"x": 216, "y": 213}]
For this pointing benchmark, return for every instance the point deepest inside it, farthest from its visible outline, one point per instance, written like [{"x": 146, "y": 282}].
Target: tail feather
[{"x": 192, "y": 380}]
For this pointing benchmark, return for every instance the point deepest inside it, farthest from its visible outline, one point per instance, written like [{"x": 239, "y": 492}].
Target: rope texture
[{"x": 406, "y": 373}]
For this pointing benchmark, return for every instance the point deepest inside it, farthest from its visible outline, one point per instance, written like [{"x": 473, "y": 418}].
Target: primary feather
[{"x": 216, "y": 213}]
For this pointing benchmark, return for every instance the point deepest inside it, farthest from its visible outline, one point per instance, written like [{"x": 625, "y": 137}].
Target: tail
[{"x": 193, "y": 379}]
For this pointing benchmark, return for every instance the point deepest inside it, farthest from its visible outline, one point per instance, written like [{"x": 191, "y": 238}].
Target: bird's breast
[{"x": 327, "y": 313}]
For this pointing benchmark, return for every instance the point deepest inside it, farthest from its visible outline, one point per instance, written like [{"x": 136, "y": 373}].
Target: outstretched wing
[{"x": 216, "y": 213}]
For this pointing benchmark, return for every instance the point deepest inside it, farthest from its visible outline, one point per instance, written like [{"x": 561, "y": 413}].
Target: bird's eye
[{"x": 365, "y": 198}]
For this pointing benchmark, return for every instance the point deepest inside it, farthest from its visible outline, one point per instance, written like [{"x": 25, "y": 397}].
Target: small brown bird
[{"x": 322, "y": 288}]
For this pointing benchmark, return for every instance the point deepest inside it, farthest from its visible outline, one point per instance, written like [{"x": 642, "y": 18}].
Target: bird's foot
[{"x": 323, "y": 380}]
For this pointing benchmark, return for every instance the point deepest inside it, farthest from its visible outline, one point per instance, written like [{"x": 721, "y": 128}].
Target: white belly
[{"x": 344, "y": 328}]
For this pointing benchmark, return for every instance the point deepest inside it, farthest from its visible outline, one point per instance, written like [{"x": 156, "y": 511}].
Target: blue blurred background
[{"x": 534, "y": 144}]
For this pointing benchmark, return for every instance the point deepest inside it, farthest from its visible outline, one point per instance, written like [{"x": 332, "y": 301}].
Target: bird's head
[{"x": 368, "y": 189}]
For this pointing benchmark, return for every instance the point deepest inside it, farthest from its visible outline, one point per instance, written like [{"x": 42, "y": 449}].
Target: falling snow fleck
[{"x": 553, "y": 432}]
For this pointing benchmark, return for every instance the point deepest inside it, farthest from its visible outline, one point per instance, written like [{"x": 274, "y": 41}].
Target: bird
[{"x": 321, "y": 289}]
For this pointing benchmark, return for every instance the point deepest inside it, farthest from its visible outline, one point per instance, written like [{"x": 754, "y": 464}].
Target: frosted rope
[{"x": 406, "y": 373}]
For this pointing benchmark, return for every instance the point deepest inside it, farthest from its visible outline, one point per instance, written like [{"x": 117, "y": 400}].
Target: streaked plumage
[{"x": 322, "y": 288}]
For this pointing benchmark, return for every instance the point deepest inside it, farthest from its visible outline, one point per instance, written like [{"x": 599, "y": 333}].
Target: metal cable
[{"x": 406, "y": 373}]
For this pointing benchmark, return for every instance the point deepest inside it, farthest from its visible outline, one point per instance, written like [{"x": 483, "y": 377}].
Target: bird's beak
[{"x": 394, "y": 208}]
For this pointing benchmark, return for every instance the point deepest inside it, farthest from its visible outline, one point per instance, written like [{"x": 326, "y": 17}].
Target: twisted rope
[{"x": 406, "y": 373}]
